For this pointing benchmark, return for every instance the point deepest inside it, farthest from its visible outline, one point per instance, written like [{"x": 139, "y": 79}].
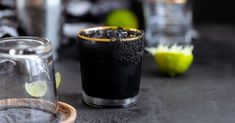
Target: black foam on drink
[{"x": 110, "y": 33}]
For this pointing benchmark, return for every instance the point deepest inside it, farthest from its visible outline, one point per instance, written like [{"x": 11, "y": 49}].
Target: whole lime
[{"x": 122, "y": 18}]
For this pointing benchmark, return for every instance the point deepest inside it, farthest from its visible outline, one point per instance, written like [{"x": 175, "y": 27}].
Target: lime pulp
[
  {"x": 172, "y": 60},
  {"x": 36, "y": 88}
]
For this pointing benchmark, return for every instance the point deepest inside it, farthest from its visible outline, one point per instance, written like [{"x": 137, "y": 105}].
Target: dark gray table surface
[{"x": 205, "y": 94}]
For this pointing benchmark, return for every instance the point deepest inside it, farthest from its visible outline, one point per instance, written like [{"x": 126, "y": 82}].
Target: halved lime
[
  {"x": 57, "y": 79},
  {"x": 36, "y": 88},
  {"x": 172, "y": 60},
  {"x": 122, "y": 18}
]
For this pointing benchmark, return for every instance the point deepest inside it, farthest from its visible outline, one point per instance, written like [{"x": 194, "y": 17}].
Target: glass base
[{"x": 109, "y": 103}]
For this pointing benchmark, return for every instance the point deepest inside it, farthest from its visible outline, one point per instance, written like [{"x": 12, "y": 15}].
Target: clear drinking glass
[
  {"x": 167, "y": 22},
  {"x": 42, "y": 18},
  {"x": 27, "y": 83},
  {"x": 111, "y": 66}
]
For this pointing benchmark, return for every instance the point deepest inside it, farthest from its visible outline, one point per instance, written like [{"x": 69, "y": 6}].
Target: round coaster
[
  {"x": 64, "y": 114},
  {"x": 67, "y": 112}
]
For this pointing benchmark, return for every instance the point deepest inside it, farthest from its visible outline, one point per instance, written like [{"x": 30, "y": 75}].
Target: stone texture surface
[{"x": 205, "y": 94}]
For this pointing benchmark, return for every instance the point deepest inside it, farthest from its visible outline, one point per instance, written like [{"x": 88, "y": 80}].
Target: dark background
[{"x": 214, "y": 11}]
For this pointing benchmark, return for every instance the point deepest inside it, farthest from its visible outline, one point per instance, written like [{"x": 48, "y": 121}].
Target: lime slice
[
  {"x": 172, "y": 60},
  {"x": 57, "y": 79},
  {"x": 122, "y": 18},
  {"x": 36, "y": 88}
]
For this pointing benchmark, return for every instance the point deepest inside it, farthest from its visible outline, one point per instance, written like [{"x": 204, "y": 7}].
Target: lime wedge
[
  {"x": 36, "y": 88},
  {"x": 57, "y": 79},
  {"x": 122, "y": 18},
  {"x": 172, "y": 60}
]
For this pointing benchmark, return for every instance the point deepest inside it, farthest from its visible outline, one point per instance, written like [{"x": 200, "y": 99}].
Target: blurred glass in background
[
  {"x": 167, "y": 22},
  {"x": 8, "y": 23},
  {"x": 41, "y": 18}
]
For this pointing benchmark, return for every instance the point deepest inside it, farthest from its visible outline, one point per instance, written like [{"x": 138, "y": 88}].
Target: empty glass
[
  {"x": 42, "y": 18},
  {"x": 167, "y": 22},
  {"x": 27, "y": 83}
]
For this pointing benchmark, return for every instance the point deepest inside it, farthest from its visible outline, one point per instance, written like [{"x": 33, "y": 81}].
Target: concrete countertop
[{"x": 205, "y": 94}]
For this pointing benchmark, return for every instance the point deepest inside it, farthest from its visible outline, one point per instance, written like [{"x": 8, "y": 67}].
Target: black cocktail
[{"x": 111, "y": 59}]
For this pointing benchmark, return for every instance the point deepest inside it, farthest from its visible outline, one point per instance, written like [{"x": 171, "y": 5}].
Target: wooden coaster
[
  {"x": 68, "y": 113},
  {"x": 65, "y": 113}
]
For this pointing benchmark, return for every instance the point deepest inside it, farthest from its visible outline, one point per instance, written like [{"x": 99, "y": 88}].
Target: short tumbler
[
  {"x": 110, "y": 60},
  {"x": 27, "y": 83},
  {"x": 167, "y": 21}
]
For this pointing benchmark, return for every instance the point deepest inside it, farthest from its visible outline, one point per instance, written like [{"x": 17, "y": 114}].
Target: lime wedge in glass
[
  {"x": 36, "y": 88},
  {"x": 57, "y": 79},
  {"x": 172, "y": 60},
  {"x": 122, "y": 18}
]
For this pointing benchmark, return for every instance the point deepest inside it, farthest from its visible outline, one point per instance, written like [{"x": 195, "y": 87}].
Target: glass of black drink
[
  {"x": 110, "y": 59},
  {"x": 27, "y": 83}
]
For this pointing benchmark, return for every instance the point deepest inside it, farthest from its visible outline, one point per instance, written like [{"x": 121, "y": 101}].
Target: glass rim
[
  {"x": 141, "y": 35},
  {"x": 43, "y": 47}
]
